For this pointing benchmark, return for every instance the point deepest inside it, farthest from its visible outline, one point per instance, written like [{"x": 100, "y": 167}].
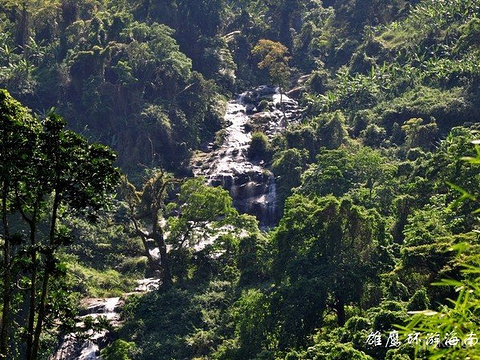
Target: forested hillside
[{"x": 372, "y": 249}]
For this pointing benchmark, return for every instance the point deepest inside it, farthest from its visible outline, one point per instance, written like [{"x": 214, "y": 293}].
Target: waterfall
[
  {"x": 250, "y": 183},
  {"x": 77, "y": 348},
  {"x": 272, "y": 201}
]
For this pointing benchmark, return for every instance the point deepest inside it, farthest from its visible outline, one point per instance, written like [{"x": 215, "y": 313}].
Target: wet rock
[
  {"x": 241, "y": 179},
  {"x": 148, "y": 284},
  {"x": 296, "y": 92},
  {"x": 264, "y": 91},
  {"x": 227, "y": 181},
  {"x": 87, "y": 346},
  {"x": 250, "y": 184},
  {"x": 250, "y": 109},
  {"x": 215, "y": 182}
]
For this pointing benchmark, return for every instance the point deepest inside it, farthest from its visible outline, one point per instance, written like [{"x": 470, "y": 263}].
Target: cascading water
[
  {"x": 73, "y": 347},
  {"x": 272, "y": 200},
  {"x": 251, "y": 185}
]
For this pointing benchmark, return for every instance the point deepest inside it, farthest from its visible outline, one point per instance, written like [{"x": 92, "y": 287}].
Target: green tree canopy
[
  {"x": 47, "y": 171},
  {"x": 327, "y": 251},
  {"x": 274, "y": 58}
]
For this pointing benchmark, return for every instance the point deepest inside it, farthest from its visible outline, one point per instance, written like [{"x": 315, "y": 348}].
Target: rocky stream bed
[
  {"x": 250, "y": 183},
  {"x": 104, "y": 315}
]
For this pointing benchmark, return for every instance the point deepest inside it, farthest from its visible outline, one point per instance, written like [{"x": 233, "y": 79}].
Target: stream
[{"x": 87, "y": 346}]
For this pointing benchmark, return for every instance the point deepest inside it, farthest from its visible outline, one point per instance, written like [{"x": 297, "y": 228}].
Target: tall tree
[
  {"x": 81, "y": 175},
  {"x": 332, "y": 246},
  {"x": 146, "y": 210},
  {"x": 203, "y": 212},
  {"x": 45, "y": 170},
  {"x": 18, "y": 132},
  {"x": 30, "y": 12},
  {"x": 193, "y": 219},
  {"x": 274, "y": 58}
]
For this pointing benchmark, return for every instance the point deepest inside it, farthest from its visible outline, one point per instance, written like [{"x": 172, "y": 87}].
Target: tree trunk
[
  {"x": 7, "y": 278},
  {"x": 41, "y": 316},
  {"x": 23, "y": 28},
  {"x": 46, "y": 278},
  {"x": 165, "y": 263},
  {"x": 144, "y": 237},
  {"x": 162, "y": 247},
  {"x": 32, "y": 224},
  {"x": 33, "y": 292},
  {"x": 340, "y": 309}
]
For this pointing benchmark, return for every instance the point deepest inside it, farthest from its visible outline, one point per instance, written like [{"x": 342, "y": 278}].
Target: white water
[
  {"x": 89, "y": 349},
  {"x": 271, "y": 199},
  {"x": 232, "y": 158},
  {"x": 250, "y": 184},
  {"x": 73, "y": 348}
]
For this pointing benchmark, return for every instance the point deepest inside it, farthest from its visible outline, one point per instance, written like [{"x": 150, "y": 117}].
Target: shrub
[
  {"x": 259, "y": 147},
  {"x": 118, "y": 350},
  {"x": 419, "y": 301},
  {"x": 373, "y": 135},
  {"x": 262, "y": 105}
]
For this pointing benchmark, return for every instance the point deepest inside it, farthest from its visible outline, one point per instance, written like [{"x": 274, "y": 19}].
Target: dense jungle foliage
[{"x": 376, "y": 252}]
